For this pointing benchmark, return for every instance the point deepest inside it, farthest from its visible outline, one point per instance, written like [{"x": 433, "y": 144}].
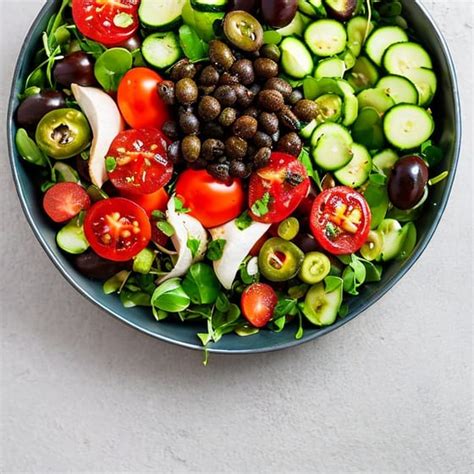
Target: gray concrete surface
[{"x": 390, "y": 392}]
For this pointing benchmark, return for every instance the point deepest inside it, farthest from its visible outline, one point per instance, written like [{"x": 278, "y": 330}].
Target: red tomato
[
  {"x": 107, "y": 21},
  {"x": 277, "y": 189},
  {"x": 117, "y": 229},
  {"x": 340, "y": 220},
  {"x": 258, "y": 303},
  {"x": 211, "y": 201},
  {"x": 156, "y": 201},
  {"x": 63, "y": 201},
  {"x": 138, "y": 99},
  {"x": 142, "y": 165}
]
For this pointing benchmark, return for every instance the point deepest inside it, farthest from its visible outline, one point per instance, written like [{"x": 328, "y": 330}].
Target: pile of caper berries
[{"x": 234, "y": 110}]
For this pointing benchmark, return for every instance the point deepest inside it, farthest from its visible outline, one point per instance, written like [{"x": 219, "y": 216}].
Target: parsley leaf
[
  {"x": 193, "y": 245},
  {"x": 165, "y": 227},
  {"x": 157, "y": 214},
  {"x": 243, "y": 221},
  {"x": 179, "y": 206},
  {"x": 110, "y": 164},
  {"x": 215, "y": 249},
  {"x": 260, "y": 206}
]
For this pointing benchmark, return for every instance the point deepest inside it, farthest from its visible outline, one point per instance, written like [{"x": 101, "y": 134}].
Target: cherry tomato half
[
  {"x": 340, "y": 220},
  {"x": 141, "y": 161},
  {"x": 211, "y": 201},
  {"x": 138, "y": 99},
  {"x": 156, "y": 201},
  {"x": 277, "y": 189},
  {"x": 109, "y": 22},
  {"x": 258, "y": 303},
  {"x": 63, "y": 201},
  {"x": 117, "y": 229}
]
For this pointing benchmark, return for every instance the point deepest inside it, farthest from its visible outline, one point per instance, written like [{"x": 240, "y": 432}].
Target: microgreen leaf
[
  {"x": 260, "y": 206},
  {"x": 166, "y": 228},
  {"x": 243, "y": 221},
  {"x": 201, "y": 284},
  {"x": 110, "y": 164},
  {"x": 215, "y": 249},
  {"x": 179, "y": 206},
  {"x": 193, "y": 245}
]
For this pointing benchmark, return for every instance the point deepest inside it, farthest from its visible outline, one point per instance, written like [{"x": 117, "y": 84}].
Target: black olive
[
  {"x": 213, "y": 130},
  {"x": 166, "y": 91},
  {"x": 34, "y": 107},
  {"x": 212, "y": 149},
  {"x": 262, "y": 139},
  {"x": 220, "y": 54},
  {"x": 98, "y": 268},
  {"x": 191, "y": 148},
  {"x": 244, "y": 71},
  {"x": 183, "y": 69},
  {"x": 255, "y": 89},
  {"x": 77, "y": 68},
  {"x": 271, "y": 51},
  {"x": 244, "y": 96},
  {"x": 280, "y": 85},
  {"x": 186, "y": 91},
  {"x": 265, "y": 68},
  {"x": 236, "y": 148},
  {"x": 268, "y": 122},
  {"x": 219, "y": 171},
  {"x": 228, "y": 79},
  {"x": 290, "y": 143},
  {"x": 245, "y": 127},
  {"x": 189, "y": 123},
  {"x": 262, "y": 157},
  {"x": 174, "y": 152},
  {"x": 227, "y": 117},
  {"x": 270, "y": 100},
  {"x": 209, "y": 76},
  {"x": 82, "y": 167},
  {"x": 238, "y": 169},
  {"x": 288, "y": 119},
  {"x": 306, "y": 110},
  {"x": 251, "y": 111},
  {"x": 209, "y": 108},
  {"x": 295, "y": 97},
  {"x": 226, "y": 95},
  {"x": 170, "y": 129}
]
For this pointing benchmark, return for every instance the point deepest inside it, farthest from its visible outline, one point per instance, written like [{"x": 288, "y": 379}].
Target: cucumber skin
[
  {"x": 330, "y": 314},
  {"x": 301, "y": 44},
  {"x": 150, "y": 60},
  {"x": 158, "y": 28},
  {"x": 208, "y": 8}
]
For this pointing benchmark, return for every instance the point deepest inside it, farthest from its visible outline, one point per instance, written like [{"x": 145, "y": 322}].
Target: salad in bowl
[{"x": 245, "y": 165}]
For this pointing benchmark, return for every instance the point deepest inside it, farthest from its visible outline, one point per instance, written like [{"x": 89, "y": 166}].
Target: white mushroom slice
[
  {"x": 185, "y": 227},
  {"x": 106, "y": 123},
  {"x": 237, "y": 247}
]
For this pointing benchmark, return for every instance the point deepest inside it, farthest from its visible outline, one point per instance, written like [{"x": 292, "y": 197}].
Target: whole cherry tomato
[
  {"x": 258, "y": 303},
  {"x": 156, "y": 201}
]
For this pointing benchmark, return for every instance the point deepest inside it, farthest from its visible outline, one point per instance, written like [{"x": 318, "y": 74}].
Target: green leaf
[
  {"x": 170, "y": 296},
  {"x": 192, "y": 45},
  {"x": 378, "y": 178},
  {"x": 215, "y": 249},
  {"x": 166, "y": 228},
  {"x": 300, "y": 331},
  {"x": 408, "y": 233},
  {"x": 377, "y": 199},
  {"x": 111, "y": 66},
  {"x": 116, "y": 282},
  {"x": 271, "y": 37},
  {"x": 201, "y": 284},
  {"x": 243, "y": 221},
  {"x": 222, "y": 303},
  {"x": 308, "y": 164},
  {"x": 260, "y": 206},
  {"x": 130, "y": 299},
  {"x": 110, "y": 164},
  {"x": 349, "y": 280},
  {"x": 244, "y": 274},
  {"x": 373, "y": 271},
  {"x": 28, "y": 149},
  {"x": 431, "y": 154},
  {"x": 343, "y": 310},
  {"x": 285, "y": 307},
  {"x": 179, "y": 206},
  {"x": 156, "y": 214},
  {"x": 193, "y": 245},
  {"x": 332, "y": 283}
]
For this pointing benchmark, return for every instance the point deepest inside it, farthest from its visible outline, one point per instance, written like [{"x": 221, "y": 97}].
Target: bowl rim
[{"x": 451, "y": 71}]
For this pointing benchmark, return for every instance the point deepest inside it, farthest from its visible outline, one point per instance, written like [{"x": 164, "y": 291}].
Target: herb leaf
[
  {"x": 110, "y": 164},
  {"x": 111, "y": 66},
  {"x": 179, "y": 206},
  {"x": 193, "y": 245},
  {"x": 243, "y": 221},
  {"x": 260, "y": 206},
  {"x": 166, "y": 228},
  {"x": 201, "y": 284},
  {"x": 170, "y": 297},
  {"x": 215, "y": 249}
]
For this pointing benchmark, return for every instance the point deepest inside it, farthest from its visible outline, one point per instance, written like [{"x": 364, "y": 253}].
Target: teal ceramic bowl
[{"x": 446, "y": 109}]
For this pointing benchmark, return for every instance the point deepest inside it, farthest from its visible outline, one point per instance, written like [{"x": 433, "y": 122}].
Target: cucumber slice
[
  {"x": 204, "y": 23},
  {"x": 356, "y": 29},
  {"x": 363, "y": 75},
  {"x": 409, "y": 237},
  {"x": 162, "y": 49},
  {"x": 368, "y": 129},
  {"x": 332, "y": 146},
  {"x": 296, "y": 60},
  {"x": 384, "y": 161},
  {"x": 401, "y": 90},
  {"x": 392, "y": 238},
  {"x": 162, "y": 15},
  {"x": 321, "y": 307},
  {"x": 209, "y": 5},
  {"x": 381, "y": 39},
  {"x": 332, "y": 67},
  {"x": 407, "y": 126},
  {"x": 425, "y": 82},
  {"x": 350, "y": 107},
  {"x": 348, "y": 58},
  {"x": 326, "y": 37},
  {"x": 356, "y": 172},
  {"x": 333, "y": 129},
  {"x": 376, "y": 196},
  {"x": 329, "y": 108},
  {"x": 403, "y": 56},
  {"x": 308, "y": 129},
  {"x": 313, "y": 8},
  {"x": 376, "y": 98},
  {"x": 71, "y": 237},
  {"x": 296, "y": 27}
]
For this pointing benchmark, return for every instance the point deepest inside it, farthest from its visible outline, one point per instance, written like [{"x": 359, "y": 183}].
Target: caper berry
[
  {"x": 170, "y": 129},
  {"x": 271, "y": 51},
  {"x": 227, "y": 117},
  {"x": 238, "y": 169},
  {"x": 270, "y": 100},
  {"x": 245, "y": 127},
  {"x": 252, "y": 111},
  {"x": 226, "y": 96},
  {"x": 268, "y": 122},
  {"x": 306, "y": 110},
  {"x": 290, "y": 143},
  {"x": 265, "y": 68},
  {"x": 236, "y": 148},
  {"x": 280, "y": 85},
  {"x": 206, "y": 90},
  {"x": 228, "y": 79},
  {"x": 213, "y": 130},
  {"x": 262, "y": 157},
  {"x": 262, "y": 139},
  {"x": 219, "y": 171},
  {"x": 295, "y": 97},
  {"x": 243, "y": 70},
  {"x": 166, "y": 90},
  {"x": 188, "y": 123},
  {"x": 174, "y": 152},
  {"x": 244, "y": 96},
  {"x": 183, "y": 69},
  {"x": 191, "y": 148},
  {"x": 255, "y": 89},
  {"x": 212, "y": 149},
  {"x": 186, "y": 91},
  {"x": 209, "y": 108},
  {"x": 288, "y": 119},
  {"x": 220, "y": 54},
  {"x": 209, "y": 76}
]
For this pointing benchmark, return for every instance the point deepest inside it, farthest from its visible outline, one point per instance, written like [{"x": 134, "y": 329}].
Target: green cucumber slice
[
  {"x": 296, "y": 26},
  {"x": 392, "y": 237},
  {"x": 326, "y": 37},
  {"x": 403, "y": 56},
  {"x": 332, "y": 67},
  {"x": 329, "y": 108},
  {"x": 401, "y": 90},
  {"x": 162, "y": 49},
  {"x": 384, "y": 161},
  {"x": 331, "y": 129},
  {"x": 363, "y": 75},
  {"x": 356, "y": 29},
  {"x": 356, "y": 172},
  {"x": 409, "y": 237},
  {"x": 331, "y": 146},
  {"x": 71, "y": 237},
  {"x": 296, "y": 60},
  {"x": 425, "y": 82},
  {"x": 381, "y": 39},
  {"x": 162, "y": 15},
  {"x": 368, "y": 129},
  {"x": 376, "y": 98},
  {"x": 351, "y": 106},
  {"x": 407, "y": 126},
  {"x": 209, "y": 5},
  {"x": 320, "y": 307},
  {"x": 308, "y": 129}
]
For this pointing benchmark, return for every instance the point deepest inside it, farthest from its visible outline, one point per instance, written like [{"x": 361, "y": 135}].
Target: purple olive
[
  {"x": 132, "y": 43},
  {"x": 341, "y": 10},
  {"x": 278, "y": 13},
  {"x": 407, "y": 182},
  {"x": 77, "y": 68},
  {"x": 34, "y": 107},
  {"x": 98, "y": 268},
  {"x": 246, "y": 5}
]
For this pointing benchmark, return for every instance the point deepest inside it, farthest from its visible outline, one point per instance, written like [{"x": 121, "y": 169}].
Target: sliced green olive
[
  {"x": 289, "y": 228},
  {"x": 373, "y": 246},
  {"x": 316, "y": 267},
  {"x": 329, "y": 108},
  {"x": 243, "y": 30},
  {"x": 279, "y": 260}
]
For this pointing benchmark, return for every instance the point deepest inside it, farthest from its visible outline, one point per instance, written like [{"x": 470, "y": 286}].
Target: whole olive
[
  {"x": 98, "y": 268},
  {"x": 170, "y": 129},
  {"x": 306, "y": 242},
  {"x": 278, "y": 13},
  {"x": 243, "y": 70},
  {"x": 244, "y": 96},
  {"x": 288, "y": 119},
  {"x": 219, "y": 171},
  {"x": 245, "y": 127},
  {"x": 342, "y": 10},
  {"x": 238, "y": 169},
  {"x": 306, "y": 110},
  {"x": 265, "y": 68},
  {"x": 77, "y": 67},
  {"x": 221, "y": 55},
  {"x": 206, "y": 90},
  {"x": 132, "y": 44},
  {"x": 228, "y": 79},
  {"x": 209, "y": 108},
  {"x": 226, "y": 95},
  {"x": 262, "y": 157},
  {"x": 255, "y": 89},
  {"x": 262, "y": 139},
  {"x": 271, "y": 51},
  {"x": 290, "y": 143},
  {"x": 280, "y": 85},
  {"x": 227, "y": 117},
  {"x": 209, "y": 76},
  {"x": 236, "y": 148},
  {"x": 251, "y": 111},
  {"x": 35, "y": 107},
  {"x": 186, "y": 91},
  {"x": 174, "y": 152},
  {"x": 407, "y": 182},
  {"x": 212, "y": 149},
  {"x": 295, "y": 97},
  {"x": 213, "y": 130},
  {"x": 268, "y": 122},
  {"x": 191, "y": 148},
  {"x": 270, "y": 100},
  {"x": 189, "y": 123},
  {"x": 246, "y": 5},
  {"x": 166, "y": 90},
  {"x": 183, "y": 69}
]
